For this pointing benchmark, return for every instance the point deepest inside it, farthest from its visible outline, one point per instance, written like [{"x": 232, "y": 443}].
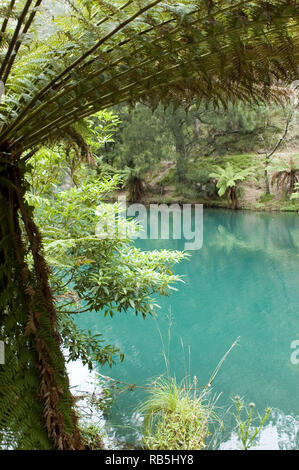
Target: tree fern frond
[{"x": 236, "y": 45}]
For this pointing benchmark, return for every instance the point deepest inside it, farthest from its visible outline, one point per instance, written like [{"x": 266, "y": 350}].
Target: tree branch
[{"x": 14, "y": 39}]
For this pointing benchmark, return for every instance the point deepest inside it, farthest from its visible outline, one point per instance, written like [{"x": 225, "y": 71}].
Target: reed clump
[{"x": 176, "y": 417}]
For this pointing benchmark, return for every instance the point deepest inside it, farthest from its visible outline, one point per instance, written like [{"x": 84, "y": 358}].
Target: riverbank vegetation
[
  {"x": 178, "y": 417},
  {"x": 187, "y": 155},
  {"x": 62, "y": 65}
]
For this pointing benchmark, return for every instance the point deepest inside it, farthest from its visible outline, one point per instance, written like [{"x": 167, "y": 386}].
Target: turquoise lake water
[{"x": 243, "y": 282}]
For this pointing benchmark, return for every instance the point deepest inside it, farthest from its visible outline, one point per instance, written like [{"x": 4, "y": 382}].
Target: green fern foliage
[{"x": 95, "y": 54}]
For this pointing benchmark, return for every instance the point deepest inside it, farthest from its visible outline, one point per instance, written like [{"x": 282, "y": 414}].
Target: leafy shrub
[
  {"x": 241, "y": 161},
  {"x": 266, "y": 197},
  {"x": 93, "y": 435},
  {"x": 186, "y": 192},
  {"x": 198, "y": 178},
  {"x": 170, "y": 177}
]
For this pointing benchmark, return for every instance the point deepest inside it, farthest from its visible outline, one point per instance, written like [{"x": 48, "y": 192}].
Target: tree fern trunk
[
  {"x": 234, "y": 198},
  {"x": 292, "y": 181},
  {"x": 266, "y": 176},
  {"x": 36, "y": 406}
]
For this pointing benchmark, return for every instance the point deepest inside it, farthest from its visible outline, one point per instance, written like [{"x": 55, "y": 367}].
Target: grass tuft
[{"x": 175, "y": 417}]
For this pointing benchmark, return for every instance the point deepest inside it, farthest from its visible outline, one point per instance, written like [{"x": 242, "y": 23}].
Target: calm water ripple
[{"x": 243, "y": 282}]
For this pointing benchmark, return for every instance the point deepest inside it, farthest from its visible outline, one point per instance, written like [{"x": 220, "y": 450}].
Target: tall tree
[
  {"x": 175, "y": 121},
  {"x": 91, "y": 55},
  {"x": 270, "y": 152}
]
